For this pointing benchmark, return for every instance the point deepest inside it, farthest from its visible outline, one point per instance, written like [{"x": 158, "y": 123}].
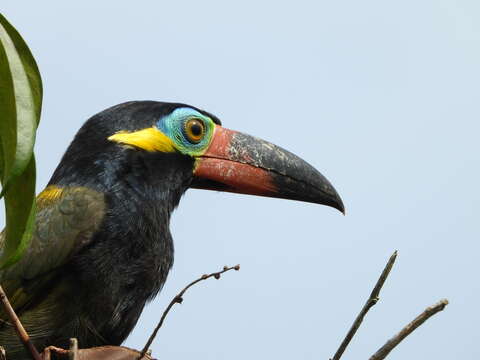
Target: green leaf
[
  {"x": 20, "y": 215},
  {"x": 1, "y": 158},
  {"x": 20, "y": 108},
  {"x": 20, "y": 101},
  {"x": 8, "y": 128}
]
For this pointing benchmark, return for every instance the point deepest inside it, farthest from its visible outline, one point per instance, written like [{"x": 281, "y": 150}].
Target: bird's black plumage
[
  {"x": 132, "y": 252},
  {"x": 102, "y": 247}
]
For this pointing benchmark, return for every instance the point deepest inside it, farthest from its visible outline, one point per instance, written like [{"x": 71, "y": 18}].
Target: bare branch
[
  {"x": 73, "y": 354},
  {"x": 105, "y": 352},
  {"x": 49, "y": 350},
  {"x": 47, "y": 355},
  {"x": 178, "y": 300},
  {"x": 372, "y": 300},
  {"x": 20, "y": 330},
  {"x": 407, "y": 330}
]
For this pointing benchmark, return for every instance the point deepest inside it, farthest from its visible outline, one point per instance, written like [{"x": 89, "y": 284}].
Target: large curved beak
[{"x": 241, "y": 163}]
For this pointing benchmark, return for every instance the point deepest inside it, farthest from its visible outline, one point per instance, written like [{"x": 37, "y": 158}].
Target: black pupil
[{"x": 196, "y": 128}]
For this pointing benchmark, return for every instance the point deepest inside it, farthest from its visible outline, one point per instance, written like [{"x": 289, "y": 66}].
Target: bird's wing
[{"x": 65, "y": 222}]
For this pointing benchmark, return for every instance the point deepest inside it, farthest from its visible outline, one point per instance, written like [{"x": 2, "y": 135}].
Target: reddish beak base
[{"x": 235, "y": 177}]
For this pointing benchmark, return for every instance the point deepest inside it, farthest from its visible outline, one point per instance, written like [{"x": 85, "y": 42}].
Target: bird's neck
[
  {"x": 132, "y": 252},
  {"x": 141, "y": 191}
]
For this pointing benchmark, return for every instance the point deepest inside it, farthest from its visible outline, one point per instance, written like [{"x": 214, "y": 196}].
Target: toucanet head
[{"x": 156, "y": 137}]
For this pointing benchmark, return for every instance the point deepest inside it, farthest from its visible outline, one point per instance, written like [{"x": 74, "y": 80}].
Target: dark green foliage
[{"x": 20, "y": 107}]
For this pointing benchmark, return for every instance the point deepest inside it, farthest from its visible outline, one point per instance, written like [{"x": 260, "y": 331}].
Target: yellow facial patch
[
  {"x": 51, "y": 193},
  {"x": 150, "y": 139}
]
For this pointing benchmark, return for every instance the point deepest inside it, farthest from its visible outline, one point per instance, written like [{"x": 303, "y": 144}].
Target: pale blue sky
[{"x": 381, "y": 96}]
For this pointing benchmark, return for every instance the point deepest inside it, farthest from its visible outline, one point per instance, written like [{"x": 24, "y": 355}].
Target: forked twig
[
  {"x": 407, "y": 330},
  {"x": 178, "y": 300},
  {"x": 372, "y": 300},
  {"x": 17, "y": 325}
]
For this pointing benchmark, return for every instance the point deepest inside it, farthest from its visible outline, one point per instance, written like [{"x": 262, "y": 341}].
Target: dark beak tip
[
  {"x": 341, "y": 208},
  {"x": 326, "y": 194},
  {"x": 337, "y": 203}
]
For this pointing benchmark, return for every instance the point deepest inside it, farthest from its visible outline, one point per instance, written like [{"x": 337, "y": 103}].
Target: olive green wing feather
[{"x": 66, "y": 221}]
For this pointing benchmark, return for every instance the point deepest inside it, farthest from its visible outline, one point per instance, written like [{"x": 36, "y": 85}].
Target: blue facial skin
[{"x": 173, "y": 125}]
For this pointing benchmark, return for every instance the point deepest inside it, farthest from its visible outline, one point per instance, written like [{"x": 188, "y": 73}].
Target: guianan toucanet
[{"x": 102, "y": 246}]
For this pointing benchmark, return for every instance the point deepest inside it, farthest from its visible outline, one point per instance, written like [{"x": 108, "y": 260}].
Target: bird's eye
[{"x": 194, "y": 130}]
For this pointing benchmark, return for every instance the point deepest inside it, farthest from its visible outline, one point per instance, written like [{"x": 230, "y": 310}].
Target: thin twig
[
  {"x": 372, "y": 300},
  {"x": 73, "y": 354},
  {"x": 21, "y": 332},
  {"x": 60, "y": 353},
  {"x": 407, "y": 330},
  {"x": 47, "y": 355},
  {"x": 178, "y": 300}
]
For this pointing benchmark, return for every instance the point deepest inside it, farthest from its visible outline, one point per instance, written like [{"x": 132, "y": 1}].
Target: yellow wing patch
[
  {"x": 149, "y": 139},
  {"x": 51, "y": 193}
]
